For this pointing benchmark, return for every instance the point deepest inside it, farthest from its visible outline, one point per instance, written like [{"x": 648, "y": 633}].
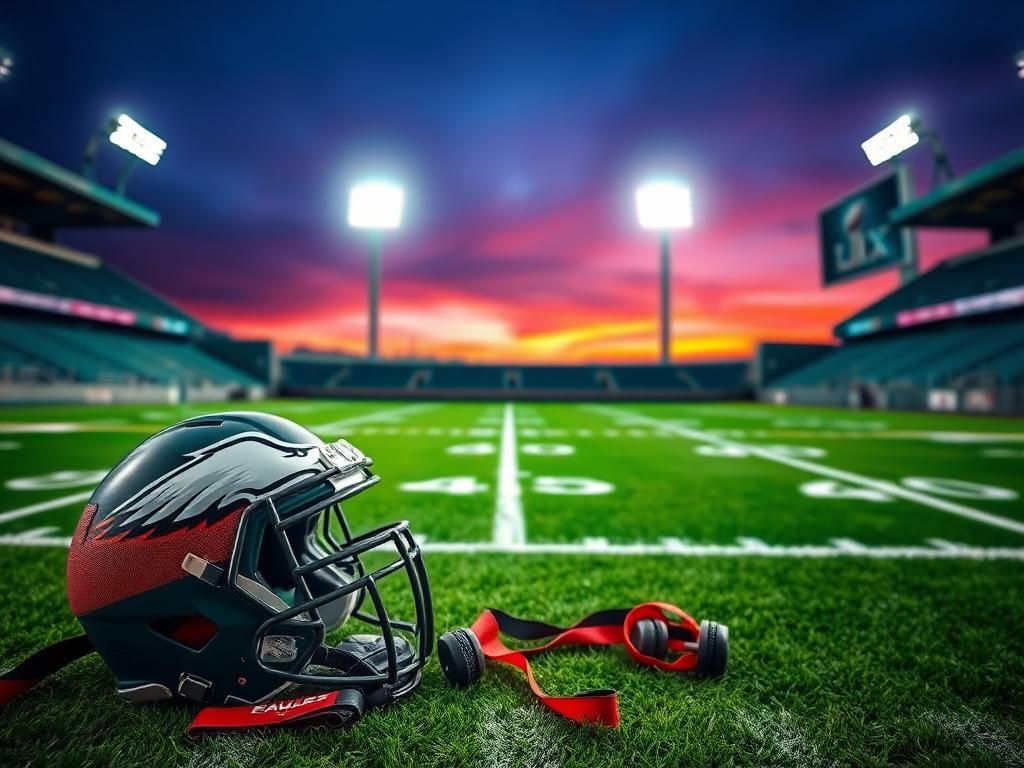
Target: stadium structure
[
  {"x": 74, "y": 329},
  {"x": 951, "y": 339}
]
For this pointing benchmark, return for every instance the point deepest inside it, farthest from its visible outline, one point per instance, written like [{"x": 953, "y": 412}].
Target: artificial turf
[{"x": 839, "y": 660}]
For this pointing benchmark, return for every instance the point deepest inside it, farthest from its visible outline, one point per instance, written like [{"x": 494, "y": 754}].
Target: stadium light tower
[
  {"x": 375, "y": 206},
  {"x": 664, "y": 206}
]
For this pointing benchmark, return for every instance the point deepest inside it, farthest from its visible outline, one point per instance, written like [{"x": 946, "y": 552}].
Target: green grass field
[{"x": 870, "y": 568}]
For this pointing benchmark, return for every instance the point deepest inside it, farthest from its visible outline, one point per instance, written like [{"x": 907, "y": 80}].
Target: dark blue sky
[{"x": 519, "y": 129}]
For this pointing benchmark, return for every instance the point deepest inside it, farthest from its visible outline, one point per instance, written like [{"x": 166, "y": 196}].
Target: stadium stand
[
  {"x": 958, "y": 328},
  {"x": 332, "y": 376},
  {"x": 60, "y": 350},
  {"x": 72, "y": 328},
  {"x": 951, "y": 339},
  {"x": 72, "y": 275}
]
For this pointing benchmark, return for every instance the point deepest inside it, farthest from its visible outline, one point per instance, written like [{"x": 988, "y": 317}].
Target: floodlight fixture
[
  {"x": 136, "y": 140},
  {"x": 375, "y": 205},
  {"x": 892, "y": 140},
  {"x": 6, "y": 65},
  {"x": 1020, "y": 65},
  {"x": 663, "y": 205}
]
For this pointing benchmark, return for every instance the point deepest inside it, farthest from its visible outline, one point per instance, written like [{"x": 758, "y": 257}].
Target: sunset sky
[{"x": 520, "y": 130}]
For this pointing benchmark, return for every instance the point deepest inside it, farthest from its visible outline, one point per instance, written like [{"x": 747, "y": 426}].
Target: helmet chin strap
[
  {"x": 357, "y": 655},
  {"x": 330, "y": 709}
]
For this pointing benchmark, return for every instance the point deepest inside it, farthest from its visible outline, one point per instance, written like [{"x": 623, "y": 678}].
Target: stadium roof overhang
[
  {"x": 45, "y": 196},
  {"x": 990, "y": 197}
]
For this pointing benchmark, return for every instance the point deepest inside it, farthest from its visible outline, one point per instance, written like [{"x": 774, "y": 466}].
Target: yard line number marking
[{"x": 891, "y": 489}]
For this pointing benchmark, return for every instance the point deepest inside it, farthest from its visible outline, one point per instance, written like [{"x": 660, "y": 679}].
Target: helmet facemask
[{"x": 296, "y": 557}]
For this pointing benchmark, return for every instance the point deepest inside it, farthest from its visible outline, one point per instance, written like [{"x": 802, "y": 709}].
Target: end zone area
[{"x": 868, "y": 565}]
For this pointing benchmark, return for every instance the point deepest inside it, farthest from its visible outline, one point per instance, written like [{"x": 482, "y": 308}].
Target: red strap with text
[
  {"x": 333, "y": 709},
  {"x": 611, "y": 627}
]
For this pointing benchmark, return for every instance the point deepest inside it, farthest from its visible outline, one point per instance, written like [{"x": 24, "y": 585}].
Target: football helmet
[{"x": 211, "y": 563}]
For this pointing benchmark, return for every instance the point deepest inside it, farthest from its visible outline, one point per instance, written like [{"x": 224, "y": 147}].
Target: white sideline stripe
[
  {"x": 509, "y": 526},
  {"x": 35, "y": 509},
  {"x": 836, "y": 474},
  {"x": 668, "y": 546},
  {"x": 375, "y": 416}
]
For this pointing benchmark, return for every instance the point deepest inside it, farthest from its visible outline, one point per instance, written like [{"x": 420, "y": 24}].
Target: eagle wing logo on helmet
[{"x": 213, "y": 482}]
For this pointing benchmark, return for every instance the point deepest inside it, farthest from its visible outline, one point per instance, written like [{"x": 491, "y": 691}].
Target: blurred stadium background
[
  {"x": 868, "y": 565},
  {"x": 74, "y": 329}
]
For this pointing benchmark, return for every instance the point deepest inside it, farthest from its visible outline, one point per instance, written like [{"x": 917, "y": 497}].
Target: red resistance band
[
  {"x": 42, "y": 664},
  {"x": 612, "y": 627}
]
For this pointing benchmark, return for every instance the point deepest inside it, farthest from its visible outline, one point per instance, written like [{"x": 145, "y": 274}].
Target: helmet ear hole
[
  {"x": 191, "y": 631},
  {"x": 650, "y": 636}
]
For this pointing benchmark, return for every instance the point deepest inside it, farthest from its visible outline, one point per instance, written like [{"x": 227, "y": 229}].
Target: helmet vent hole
[
  {"x": 191, "y": 631},
  {"x": 203, "y": 423}
]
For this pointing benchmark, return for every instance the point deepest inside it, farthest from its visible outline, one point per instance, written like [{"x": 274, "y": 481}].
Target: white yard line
[
  {"x": 509, "y": 526},
  {"x": 386, "y": 415},
  {"x": 820, "y": 469},
  {"x": 43, "y": 506},
  {"x": 844, "y": 548}
]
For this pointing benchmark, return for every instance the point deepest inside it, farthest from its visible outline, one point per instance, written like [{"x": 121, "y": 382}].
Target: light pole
[
  {"x": 375, "y": 206},
  {"x": 663, "y": 206}
]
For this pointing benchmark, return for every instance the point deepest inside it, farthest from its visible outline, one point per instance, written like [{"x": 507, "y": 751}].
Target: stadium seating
[
  {"x": 91, "y": 353},
  {"x": 969, "y": 275},
  {"x": 719, "y": 376},
  {"x": 979, "y": 346},
  {"x": 466, "y": 377},
  {"x": 936, "y": 356},
  {"x": 90, "y": 280},
  {"x": 387, "y": 376},
  {"x": 650, "y": 377},
  {"x": 569, "y": 378},
  {"x": 323, "y": 374}
]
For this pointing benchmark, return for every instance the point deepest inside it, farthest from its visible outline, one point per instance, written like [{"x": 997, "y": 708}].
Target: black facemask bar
[{"x": 346, "y": 554}]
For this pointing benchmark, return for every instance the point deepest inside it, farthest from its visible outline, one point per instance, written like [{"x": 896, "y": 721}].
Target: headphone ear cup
[
  {"x": 650, "y": 636},
  {"x": 461, "y": 657},
  {"x": 712, "y": 649}
]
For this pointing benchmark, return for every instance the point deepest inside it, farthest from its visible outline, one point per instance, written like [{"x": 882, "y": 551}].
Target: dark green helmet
[{"x": 214, "y": 559}]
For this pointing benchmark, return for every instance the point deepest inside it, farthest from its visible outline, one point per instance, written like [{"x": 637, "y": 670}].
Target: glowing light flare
[
  {"x": 136, "y": 140},
  {"x": 890, "y": 141},
  {"x": 6, "y": 64},
  {"x": 375, "y": 205},
  {"x": 662, "y": 205}
]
